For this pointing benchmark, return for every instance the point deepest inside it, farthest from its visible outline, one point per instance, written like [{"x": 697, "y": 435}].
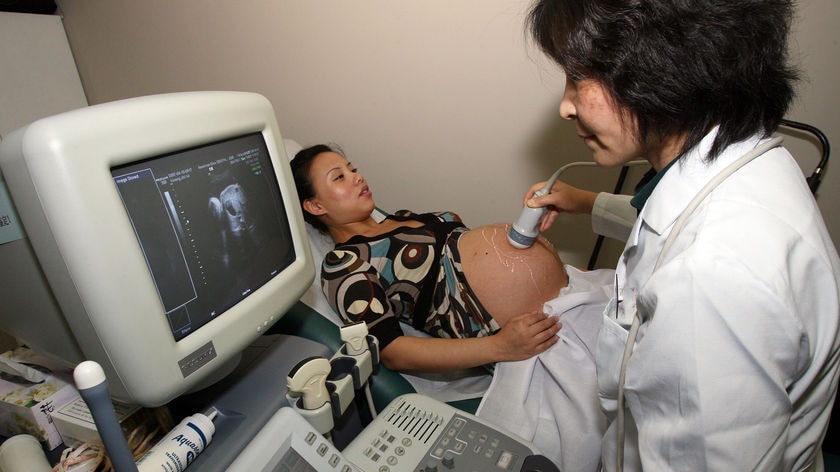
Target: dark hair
[
  {"x": 678, "y": 66},
  {"x": 301, "y": 165}
]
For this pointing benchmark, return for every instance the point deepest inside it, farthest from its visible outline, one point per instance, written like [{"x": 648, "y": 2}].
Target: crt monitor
[{"x": 160, "y": 236}]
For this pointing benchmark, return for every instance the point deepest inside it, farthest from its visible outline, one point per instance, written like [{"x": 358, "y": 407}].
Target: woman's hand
[
  {"x": 522, "y": 337},
  {"x": 563, "y": 198},
  {"x": 525, "y": 336}
]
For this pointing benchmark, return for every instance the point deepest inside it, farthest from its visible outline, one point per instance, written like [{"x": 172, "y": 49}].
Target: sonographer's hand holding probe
[
  {"x": 563, "y": 198},
  {"x": 543, "y": 202},
  {"x": 557, "y": 197},
  {"x": 525, "y": 230},
  {"x": 554, "y": 197}
]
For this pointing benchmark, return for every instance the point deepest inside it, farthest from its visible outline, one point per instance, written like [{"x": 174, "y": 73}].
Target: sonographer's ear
[{"x": 310, "y": 205}]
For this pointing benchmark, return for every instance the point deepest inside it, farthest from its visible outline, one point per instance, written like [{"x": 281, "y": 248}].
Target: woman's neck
[{"x": 368, "y": 227}]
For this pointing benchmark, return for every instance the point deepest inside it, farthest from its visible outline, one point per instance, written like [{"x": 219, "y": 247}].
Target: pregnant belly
[{"x": 510, "y": 281}]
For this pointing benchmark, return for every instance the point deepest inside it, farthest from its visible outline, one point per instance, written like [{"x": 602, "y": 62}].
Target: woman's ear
[{"x": 310, "y": 205}]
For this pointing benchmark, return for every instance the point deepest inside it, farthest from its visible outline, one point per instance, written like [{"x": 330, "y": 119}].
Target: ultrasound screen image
[{"x": 211, "y": 224}]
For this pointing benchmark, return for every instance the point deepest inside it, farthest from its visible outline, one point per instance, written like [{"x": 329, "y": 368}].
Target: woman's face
[
  {"x": 341, "y": 193},
  {"x": 599, "y": 122}
]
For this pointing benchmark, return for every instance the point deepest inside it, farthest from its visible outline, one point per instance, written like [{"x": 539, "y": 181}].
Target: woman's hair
[
  {"x": 301, "y": 165},
  {"x": 678, "y": 66}
]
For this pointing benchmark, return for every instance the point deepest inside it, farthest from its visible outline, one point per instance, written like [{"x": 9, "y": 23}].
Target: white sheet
[{"x": 552, "y": 399}]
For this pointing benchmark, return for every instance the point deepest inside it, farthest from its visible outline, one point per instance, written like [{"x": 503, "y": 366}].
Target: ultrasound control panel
[
  {"x": 413, "y": 433},
  {"x": 417, "y": 433}
]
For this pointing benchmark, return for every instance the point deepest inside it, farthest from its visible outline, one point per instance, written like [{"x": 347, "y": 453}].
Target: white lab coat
[{"x": 736, "y": 363}]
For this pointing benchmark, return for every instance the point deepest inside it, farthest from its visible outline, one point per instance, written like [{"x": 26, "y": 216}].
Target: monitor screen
[
  {"x": 161, "y": 236},
  {"x": 211, "y": 225}
]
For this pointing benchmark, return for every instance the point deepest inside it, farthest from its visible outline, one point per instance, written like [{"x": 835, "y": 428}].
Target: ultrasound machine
[{"x": 162, "y": 238}]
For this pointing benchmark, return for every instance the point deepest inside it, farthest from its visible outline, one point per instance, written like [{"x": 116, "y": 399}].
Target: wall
[
  {"x": 441, "y": 104},
  {"x": 39, "y": 79},
  {"x": 39, "y": 76}
]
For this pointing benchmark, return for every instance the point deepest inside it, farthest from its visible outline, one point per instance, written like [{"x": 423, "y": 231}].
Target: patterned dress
[{"x": 410, "y": 275}]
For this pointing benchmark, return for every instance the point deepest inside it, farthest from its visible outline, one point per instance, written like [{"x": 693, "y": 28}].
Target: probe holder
[{"x": 348, "y": 373}]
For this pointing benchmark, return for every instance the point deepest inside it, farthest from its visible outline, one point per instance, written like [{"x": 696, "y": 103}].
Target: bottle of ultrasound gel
[{"x": 181, "y": 446}]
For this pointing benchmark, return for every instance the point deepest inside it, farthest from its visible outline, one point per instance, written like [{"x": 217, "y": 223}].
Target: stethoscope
[{"x": 678, "y": 226}]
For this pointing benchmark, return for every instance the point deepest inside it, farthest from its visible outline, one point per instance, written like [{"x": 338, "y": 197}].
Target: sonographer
[{"x": 720, "y": 348}]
